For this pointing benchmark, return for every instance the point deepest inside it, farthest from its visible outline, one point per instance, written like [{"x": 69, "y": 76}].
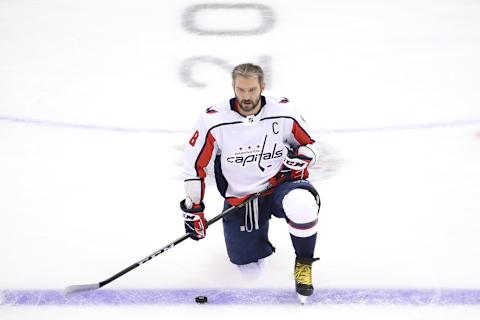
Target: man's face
[{"x": 247, "y": 92}]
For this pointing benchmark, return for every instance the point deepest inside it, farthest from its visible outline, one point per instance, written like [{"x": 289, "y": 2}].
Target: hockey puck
[{"x": 201, "y": 299}]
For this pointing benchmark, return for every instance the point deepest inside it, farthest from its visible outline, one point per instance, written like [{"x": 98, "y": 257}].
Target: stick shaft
[
  {"x": 77, "y": 288},
  {"x": 162, "y": 250},
  {"x": 144, "y": 260}
]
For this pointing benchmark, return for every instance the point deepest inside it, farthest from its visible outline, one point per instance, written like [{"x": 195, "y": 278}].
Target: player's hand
[
  {"x": 294, "y": 167},
  {"x": 195, "y": 223}
]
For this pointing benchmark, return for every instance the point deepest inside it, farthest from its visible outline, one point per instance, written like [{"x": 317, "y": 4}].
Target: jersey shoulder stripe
[
  {"x": 204, "y": 156},
  {"x": 218, "y": 115},
  {"x": 206, "y": 152},
  {"x": 298, "y": 131}
]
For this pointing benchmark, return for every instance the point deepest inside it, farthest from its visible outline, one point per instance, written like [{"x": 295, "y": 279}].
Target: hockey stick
[{"x": 94, "y": 286}]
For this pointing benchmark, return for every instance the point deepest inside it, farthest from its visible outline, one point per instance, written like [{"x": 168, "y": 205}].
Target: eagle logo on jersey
[
  {"x": 210, "y": 110},
  {"x": 284, "y": 100}
]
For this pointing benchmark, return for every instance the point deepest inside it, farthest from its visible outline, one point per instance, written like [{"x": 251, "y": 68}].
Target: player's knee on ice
[
  {"x": 301, "y": 209},
  {"x": 252, "y": 270}
]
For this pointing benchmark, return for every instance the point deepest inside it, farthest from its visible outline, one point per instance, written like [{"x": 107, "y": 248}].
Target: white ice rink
[{"x": 96, "y": 102}]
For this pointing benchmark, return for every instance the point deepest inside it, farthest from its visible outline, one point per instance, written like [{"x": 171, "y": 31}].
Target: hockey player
[{"x": 253, "y": 141}]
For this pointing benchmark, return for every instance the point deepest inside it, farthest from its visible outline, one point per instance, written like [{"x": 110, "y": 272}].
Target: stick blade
[{"x": 81, "y": 287}]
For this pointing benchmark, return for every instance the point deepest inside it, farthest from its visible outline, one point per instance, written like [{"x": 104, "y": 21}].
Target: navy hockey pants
[{"x": 246, "y": 232}]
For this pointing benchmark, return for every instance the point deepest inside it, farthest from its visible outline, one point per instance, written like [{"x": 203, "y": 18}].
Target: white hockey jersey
[{"x": 247, "y": 150}]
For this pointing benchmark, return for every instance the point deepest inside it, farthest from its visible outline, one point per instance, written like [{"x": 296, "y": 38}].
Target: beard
[{"x": 248, "y": 105}]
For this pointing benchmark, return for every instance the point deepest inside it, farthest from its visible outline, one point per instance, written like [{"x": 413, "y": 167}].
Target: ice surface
[
  {"x": 97, "y": 100},
  {"x": 229, "y": 296}
]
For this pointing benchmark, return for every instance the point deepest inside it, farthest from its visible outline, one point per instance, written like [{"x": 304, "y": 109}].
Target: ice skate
[{"x": 303, "y": 278}]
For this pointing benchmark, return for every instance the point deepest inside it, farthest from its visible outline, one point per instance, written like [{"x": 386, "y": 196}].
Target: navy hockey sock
[{"x": 304, "y": 247}]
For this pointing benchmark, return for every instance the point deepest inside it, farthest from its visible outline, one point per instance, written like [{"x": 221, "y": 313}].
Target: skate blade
[{"x": 302, "y": 299}]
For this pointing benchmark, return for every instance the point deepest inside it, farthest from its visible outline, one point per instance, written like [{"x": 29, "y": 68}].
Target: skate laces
[{"x": 303, "y": 273}]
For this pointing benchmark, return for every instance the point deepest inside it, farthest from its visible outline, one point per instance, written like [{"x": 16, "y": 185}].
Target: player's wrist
[{"x": 187, "y": 205}]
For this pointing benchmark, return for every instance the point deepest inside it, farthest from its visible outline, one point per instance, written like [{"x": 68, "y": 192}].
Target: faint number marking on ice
[
  {"x": 266, "y": 20},
  {"x": 188, "y": 66}
]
